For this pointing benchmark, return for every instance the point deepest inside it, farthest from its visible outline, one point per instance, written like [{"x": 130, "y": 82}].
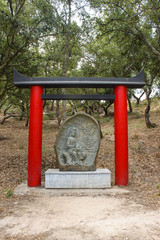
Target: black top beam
[
  {"x": 78, "y": 97},
  {"x": 22, "y": 81}
]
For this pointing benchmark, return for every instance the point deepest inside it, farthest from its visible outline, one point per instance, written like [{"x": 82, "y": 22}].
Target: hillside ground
[{"x": 143, "y": 190}]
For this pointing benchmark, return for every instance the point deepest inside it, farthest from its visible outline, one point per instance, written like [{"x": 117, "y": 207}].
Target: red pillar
[
  {"x": 121, "y": 135},
  {"x": 35, "y": 137}
]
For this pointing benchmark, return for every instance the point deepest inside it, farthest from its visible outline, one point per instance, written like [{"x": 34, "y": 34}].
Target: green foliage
[
  {"x": 9, "y": 193},
  {"x": 158, "y": 186},
  {"x": 44, "y": 38},
  {"x": 129, "y": 37},
  {"x": 38, "y": 38}
]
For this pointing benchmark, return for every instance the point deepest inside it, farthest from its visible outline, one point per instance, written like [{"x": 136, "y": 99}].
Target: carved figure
[
  {"x": 77, "y": 143},
  {"x": 75, "y": 154}
]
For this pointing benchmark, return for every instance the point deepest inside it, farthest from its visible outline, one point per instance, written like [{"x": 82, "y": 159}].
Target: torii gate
[{"x": 36, "y": 86}]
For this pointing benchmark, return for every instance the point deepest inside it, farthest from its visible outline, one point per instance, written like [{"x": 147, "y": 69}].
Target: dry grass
[{"x": 144, "y": 154}]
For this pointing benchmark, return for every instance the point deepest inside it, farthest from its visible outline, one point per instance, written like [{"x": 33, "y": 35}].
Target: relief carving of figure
[{"x": 74, "y": 154}]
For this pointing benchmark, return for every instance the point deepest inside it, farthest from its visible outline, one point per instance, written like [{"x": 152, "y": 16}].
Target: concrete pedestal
[{"x": 101, "y": 178}]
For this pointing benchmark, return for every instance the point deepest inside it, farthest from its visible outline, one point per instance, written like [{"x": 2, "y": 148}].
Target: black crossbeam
[
  {"x": 78, "y": 82},
  {"x": 110, "y": 97}
]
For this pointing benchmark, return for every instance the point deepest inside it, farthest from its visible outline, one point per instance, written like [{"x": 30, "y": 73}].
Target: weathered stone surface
[
  {"x": 101, "y": 178},
  {"x": 77, "y": 143}
]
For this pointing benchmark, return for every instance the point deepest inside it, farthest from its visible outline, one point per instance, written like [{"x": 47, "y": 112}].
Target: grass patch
[
  {"x": 158, "y": 186},
  {"x": 9, "y": 193},
  {"x": 21, "y": 146}
]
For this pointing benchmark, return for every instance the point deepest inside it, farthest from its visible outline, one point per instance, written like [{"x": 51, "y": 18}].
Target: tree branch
[
  {"x": 21, "y": 6},
  {"x": 145, "y": 40},
  {"x": 10, "y": 5}
]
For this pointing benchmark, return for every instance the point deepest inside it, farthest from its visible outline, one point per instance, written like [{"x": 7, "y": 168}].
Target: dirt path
[
  {"x": 76, "y": 215},
  {"x": 115, "y": 214}
]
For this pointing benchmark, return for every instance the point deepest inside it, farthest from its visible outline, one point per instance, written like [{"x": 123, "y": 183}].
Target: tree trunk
[
  {"x": 6, "y": 109},
  {"x": 27, "y": 121},
  {"x": 138, "y": 98},
  {"x": 88, "y": 109},
  {"x": 44, "y": 101},
  {"x": 3, "y": 120},
  {"x": 130, "y": 105},
  {"x": 52, "y": 105},
  {"x": 97, "y": 109},
  {"x": 27, "y": 115},
  {"x": 72, "y": 107},
  {"x": 58, "y": 110},
  {"x": 67, "y": 55},
  {"x": 64, "y": 106},
  {"x": 147, "y": 110},
  {"x": 22, "y": 112},
  {"x": 106, "y": 108},
  {"x": 9, "y": 116},
  {"x": 75, "y": 107}
]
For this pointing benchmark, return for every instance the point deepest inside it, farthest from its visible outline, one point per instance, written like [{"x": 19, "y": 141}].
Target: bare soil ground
[{"x": 134, "y": 214}]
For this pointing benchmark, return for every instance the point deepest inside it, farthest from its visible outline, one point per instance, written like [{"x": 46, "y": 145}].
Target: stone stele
[{"x": 77, "y": 143}]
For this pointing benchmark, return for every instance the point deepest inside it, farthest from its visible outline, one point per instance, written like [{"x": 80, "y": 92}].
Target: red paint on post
[
  {"x": 35, "y": 137},
  {"x": 121, "y": 135}
]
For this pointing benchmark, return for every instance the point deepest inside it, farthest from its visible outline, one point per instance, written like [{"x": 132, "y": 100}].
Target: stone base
[{"x": 101, "y": 178}]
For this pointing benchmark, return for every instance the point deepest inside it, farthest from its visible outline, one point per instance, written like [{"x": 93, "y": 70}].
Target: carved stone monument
[
  {"x": 76, "y": 148},
  {"x": 77, "y": 143}
]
